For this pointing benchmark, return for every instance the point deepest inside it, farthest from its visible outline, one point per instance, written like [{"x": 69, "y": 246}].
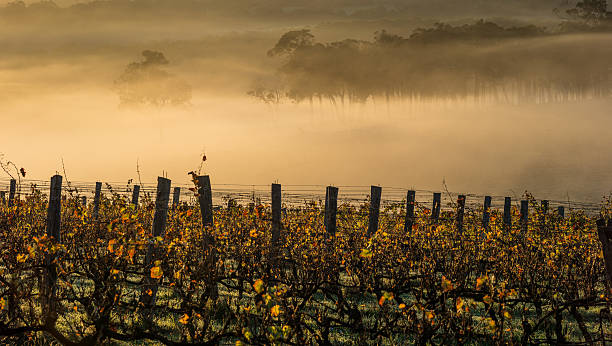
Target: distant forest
[
  {"x": 278, "y": 8},
  {"x": 481, "y": 60}
]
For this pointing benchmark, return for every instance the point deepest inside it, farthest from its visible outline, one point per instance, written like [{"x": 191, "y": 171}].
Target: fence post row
[
  {"x": 507, "y": 211},
  {"x": 276, "y": 213},
  {"x": 435, "y": 209},
  {"x": 524, "y": 214},
  {"x": 96, "y": 209},
  {"x": 331, "y": 208},
  {"x": 375, "y": 194},
  {"x": 159, "y": 225},
  {"x": 486, "y": 212},
  {"x": 410, "y": 199},
  {"x": 12, "y": 191},
  {"x": 135, "y": 195},
  {"x": 176, "y": 196},
  {"x": 460, "y": 212}
]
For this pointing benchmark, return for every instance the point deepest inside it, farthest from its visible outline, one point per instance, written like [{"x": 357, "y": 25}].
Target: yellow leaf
[
  {"x": 156, "y": 272},
  {"x": 184, "y": 319},
  {"x": 381, "y": 301},
  {"x": 111, "y": 245},
  {"x": 258, "y": 285},
  {"x": 446, "y": 284},
  {"x": 365, "y": 253},
  {"x": 480, "y": 281},
  {"x": 275, "y": 311},
  {"x": 487, "y": 299},
  {"x": 507, "y": 314},
  {"x": 402, "y": 306},
  {"x": 21, "y": 258},
  {"x": 459, "y": 304}
]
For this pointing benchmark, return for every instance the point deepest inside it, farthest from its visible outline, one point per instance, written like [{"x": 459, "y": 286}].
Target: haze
[{"x": 58, "y": 100}]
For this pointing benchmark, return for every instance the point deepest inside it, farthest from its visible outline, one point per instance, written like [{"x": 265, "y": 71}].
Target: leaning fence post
[
  {"x": 604, "y": 231},
  {"x": 375, "y": 194},
  {"x": 135, "y": 195},
  {"x": 96, "y": 210},
  {"x": 331, "y": 208},
  {"x": 410, "y": 198},
  {"x": 486, "y": 212},
  {"x": 159, "y": 226},
  {"x": 507, "y": 211},
  {"x": 176, "y": 196},
  {"x": 12, "y": 191},
  {"x": 435, "y": 209},
  {"x": 276, "y": 213},
  {"x": 460, "y": 212},
  {"x": 524, "y": 214}
]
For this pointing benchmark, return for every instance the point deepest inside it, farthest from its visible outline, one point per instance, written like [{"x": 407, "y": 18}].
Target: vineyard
[{"x": 125, "y": 269}]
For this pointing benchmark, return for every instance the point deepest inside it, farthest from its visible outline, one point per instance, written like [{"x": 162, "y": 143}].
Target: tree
[
  {"x": 291, "y": 41},
  {"x": 147, "y": 83},
  {"x": 592, "y": 12}
]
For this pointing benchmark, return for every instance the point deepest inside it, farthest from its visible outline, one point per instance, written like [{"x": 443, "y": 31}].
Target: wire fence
[{"x": 292, "y": 195}]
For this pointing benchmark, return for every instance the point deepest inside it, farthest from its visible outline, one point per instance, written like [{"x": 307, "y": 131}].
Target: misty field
[
  {"x": 438, "y": 169},
  {"x": 116, "y": 272}
]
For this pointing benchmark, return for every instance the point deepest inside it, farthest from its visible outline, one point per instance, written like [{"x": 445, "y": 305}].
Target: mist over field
[{"x": 527, "y": 109}]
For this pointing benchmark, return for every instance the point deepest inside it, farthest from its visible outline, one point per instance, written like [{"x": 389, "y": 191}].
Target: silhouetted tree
[
  {"x": 145, "y": 82},
  {"x": 291, "y": 41},
  {"x": 590, "y": 11}
]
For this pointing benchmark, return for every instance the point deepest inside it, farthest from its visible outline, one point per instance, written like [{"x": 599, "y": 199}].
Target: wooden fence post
[
  {"x": 96, "y": 210},
  {"x": 524, "y": 214},
  {"x": 12, "y": 191},
  {"x": 135, "y": 195},
  {"x": 276, "y": 213},
  {"x": 486, "y": 212},
  {"x": 49, "y": 305},
  {"x": 410, "y": 200},
  {"x": 544, "y": 206},
  {"x": 205, "y": 200},
  {"x": 507, "y": 211},
  {"x": 208, "y": 239},
  {"x": 435, "y": 209},
  {"x": 159, "y": 225},
  {"x": 460, "y": 212},
  {"x": 3, "y": 196},
  {"x": 604, "y": 231},
  {"x": 54, "y": 209},
  {"x": 561, "y": 211},
  {"x": 375, "y": 194},
  {"x": 83, "y": 201},
  {"x": 176, "y": 196},
  {"x": 331, "y": 208},
  {"x": 544, "y": 210}
]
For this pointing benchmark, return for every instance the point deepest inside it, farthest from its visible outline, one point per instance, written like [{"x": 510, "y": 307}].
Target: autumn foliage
[{"x": 109, "y": 280}]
